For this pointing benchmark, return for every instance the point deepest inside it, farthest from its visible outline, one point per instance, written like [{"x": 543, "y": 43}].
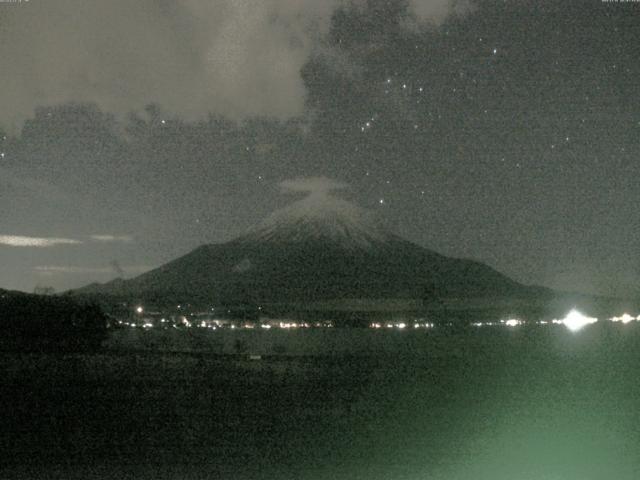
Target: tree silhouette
[{"x": 35, "y": 322}]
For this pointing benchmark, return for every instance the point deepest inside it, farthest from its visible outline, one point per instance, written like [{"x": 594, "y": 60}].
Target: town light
[
  {"x": 575, "y": 320},
  {"x": 625, "y": 318}
]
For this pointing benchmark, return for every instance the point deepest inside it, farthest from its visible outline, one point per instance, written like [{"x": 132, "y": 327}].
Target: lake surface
[{"x": 516, "y": 404}]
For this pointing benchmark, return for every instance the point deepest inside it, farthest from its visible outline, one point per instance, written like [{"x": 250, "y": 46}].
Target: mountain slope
[{"x": 319, "y": 248}]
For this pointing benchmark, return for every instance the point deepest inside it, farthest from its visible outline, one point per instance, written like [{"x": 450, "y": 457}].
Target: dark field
[{"x": 522, "y": 404}]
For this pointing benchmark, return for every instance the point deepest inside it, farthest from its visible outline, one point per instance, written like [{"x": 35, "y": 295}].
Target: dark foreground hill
[{"x": 37, "y": 322}]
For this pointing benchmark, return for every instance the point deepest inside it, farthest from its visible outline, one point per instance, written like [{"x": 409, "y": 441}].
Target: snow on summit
[{"x": 321, "y": 215}]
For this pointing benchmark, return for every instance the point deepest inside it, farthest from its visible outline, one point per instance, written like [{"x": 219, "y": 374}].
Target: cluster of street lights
[{"x": 574, "y": 321}]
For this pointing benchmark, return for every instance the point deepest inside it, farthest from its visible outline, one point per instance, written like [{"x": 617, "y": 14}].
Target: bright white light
[
  {"x": 625, "y": 318},
  {"x": 574, "y": 320},
  {"x": 139, "y": 309},
  {"x": 512, "y": 322}
]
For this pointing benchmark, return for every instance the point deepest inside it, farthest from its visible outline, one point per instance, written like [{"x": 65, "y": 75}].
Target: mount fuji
[{"x": 321, "y": 250}]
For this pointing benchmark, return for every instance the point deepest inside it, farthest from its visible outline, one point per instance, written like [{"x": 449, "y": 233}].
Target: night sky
[{"x": 503, "y": 131}]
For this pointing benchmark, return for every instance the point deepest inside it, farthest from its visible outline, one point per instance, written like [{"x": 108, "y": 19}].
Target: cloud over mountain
[{"x": 312, "y": 185}]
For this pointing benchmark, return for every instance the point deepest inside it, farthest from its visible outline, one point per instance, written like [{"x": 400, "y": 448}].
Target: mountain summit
[
  {"x": 321, "y": 217},
  {"x": 321, "y": 249}
]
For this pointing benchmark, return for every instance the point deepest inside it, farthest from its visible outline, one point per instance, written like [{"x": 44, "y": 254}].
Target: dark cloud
[{"x": 239, "y": 58}]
